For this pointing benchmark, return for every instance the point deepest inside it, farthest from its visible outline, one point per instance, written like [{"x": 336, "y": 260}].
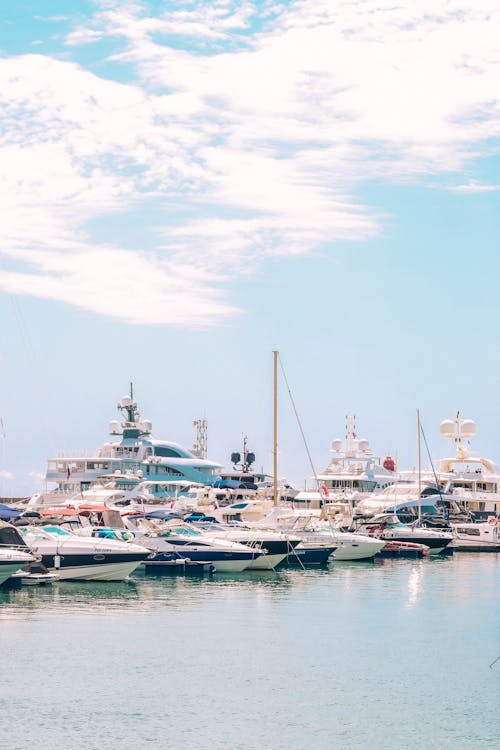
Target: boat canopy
[{"x": 6, "y": 512}]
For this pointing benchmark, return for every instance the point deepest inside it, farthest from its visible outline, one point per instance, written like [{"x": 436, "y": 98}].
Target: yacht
[
  {"x": 474, "y": 482},
  {"x": 74, "y": 557},
  {"x": 353, "y": 472},
  {"x": 134, "y": 452}
]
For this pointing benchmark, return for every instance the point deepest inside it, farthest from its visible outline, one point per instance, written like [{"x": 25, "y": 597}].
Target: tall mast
[
  {"x": 275, "y": 429},
  {"x": 419, "y": 469}
]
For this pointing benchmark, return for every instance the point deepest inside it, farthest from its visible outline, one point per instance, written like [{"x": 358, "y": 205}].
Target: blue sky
[{"x": 187, "y": 186}]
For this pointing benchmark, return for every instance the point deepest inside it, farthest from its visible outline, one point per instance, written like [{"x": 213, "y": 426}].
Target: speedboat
[
  {"x": 74, "y": 557},
  {"x": 311, "y": 529},
  {"x": 388, "y": 527},
  {"x": 163, "y": 538},
  {"x": 275, "y": 544}
]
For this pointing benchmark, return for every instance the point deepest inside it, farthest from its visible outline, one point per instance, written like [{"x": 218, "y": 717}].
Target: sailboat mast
[
  {"x": 275, "y": 429},
  {"x": 419, "y": 469}
]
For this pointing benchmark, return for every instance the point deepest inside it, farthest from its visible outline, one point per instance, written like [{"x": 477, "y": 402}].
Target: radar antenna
[{"x": 243, "y": 462}]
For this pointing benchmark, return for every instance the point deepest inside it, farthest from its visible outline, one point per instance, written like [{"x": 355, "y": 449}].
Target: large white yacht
[
  {"x": 472, "y": 481},
  {"x": 136, "y": 453},
  {"x": 353, "y": 472}
]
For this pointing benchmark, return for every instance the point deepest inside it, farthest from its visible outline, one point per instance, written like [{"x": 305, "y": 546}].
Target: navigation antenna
[{"x": 200, "y": 448}]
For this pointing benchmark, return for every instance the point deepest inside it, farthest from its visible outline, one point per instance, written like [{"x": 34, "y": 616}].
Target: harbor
[{"x": 249, "y": 413}]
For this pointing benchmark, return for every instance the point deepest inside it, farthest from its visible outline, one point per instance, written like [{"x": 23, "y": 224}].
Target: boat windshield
[
  {"x": 56, "y": 531},
  {"x": 34, "y": 534},
  {"x": 180, "y": 531}
]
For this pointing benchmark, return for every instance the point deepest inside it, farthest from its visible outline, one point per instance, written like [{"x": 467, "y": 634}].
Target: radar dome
[
  {"x": 337, "y": 445},
  {"x": 468, "y": 428},
  {"x": 147, "y": 425},
  {"x": 447, "y": 428},
  {"x": 126, "y": 401},
  {"x": 114, "y": 426},
  {"x": 363, "y": 445}
]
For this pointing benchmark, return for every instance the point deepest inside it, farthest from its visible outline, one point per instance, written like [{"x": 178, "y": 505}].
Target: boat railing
[{"x": 76, "y": 454}]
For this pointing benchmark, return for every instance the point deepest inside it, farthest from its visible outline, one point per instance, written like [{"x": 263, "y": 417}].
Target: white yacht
[
  {"x": 75, "y": 557},
  {"x": 136, "y": 453},
  {"x": 473, "y": 481},
  {"x": 353, "y": 472}
]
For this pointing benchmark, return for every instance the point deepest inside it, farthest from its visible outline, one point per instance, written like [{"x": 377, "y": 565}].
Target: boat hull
[
  {"x": 302, "y": 556},
  {"x": 224, "y": 562},
  {"x": 356, "y": 551},
  {"x": 90, "y": 570}
]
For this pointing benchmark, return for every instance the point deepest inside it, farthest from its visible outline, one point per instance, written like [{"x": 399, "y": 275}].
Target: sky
[{"x": 187, "y": 186}]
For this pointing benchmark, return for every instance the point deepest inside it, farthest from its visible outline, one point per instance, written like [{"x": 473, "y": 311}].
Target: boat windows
[
  {"x": 9, "y": 537},
  {"x": 469, "y": 531},
  {"x": 164, "y": 452}
]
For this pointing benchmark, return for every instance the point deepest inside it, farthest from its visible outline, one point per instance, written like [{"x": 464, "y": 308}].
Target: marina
[
  {"x": 249, "y": 414},
  {"x": 232, "y": 612}
]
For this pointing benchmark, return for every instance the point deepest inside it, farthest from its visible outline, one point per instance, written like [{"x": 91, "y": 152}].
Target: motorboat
[
  {"x": 74, "y": 557},
  {"x": 276, "y": 545},
  {"x": 312, "y": 529},
  {"x": 477, "y": 537},
  {"x": 167, "y": 537},
  {"x": 388, "y": 526}
]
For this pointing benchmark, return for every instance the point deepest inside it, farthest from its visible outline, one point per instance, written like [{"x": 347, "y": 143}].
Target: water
[{"x": 362, "y": 655}]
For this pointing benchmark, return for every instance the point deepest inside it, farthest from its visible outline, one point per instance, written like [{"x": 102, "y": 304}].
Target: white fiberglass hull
[
  {"x": 266, "y": 562},
  {"x": 231, "y": 566},
  {"x": 105, "y": 572},
  {"x": 354, "y": 547}
]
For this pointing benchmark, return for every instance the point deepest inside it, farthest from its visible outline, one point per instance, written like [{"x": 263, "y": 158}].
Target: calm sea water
[{"x": 362, "y": 655}]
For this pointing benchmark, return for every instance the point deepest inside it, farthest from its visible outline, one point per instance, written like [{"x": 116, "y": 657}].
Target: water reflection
[
  {"x": 448, "y": 577},
  {"x": 415, "y": 587}
]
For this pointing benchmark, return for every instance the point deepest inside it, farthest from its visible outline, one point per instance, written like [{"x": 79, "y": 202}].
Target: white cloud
[
  {"x": 6, "y": 474},
  {"x": 259, "y": 125},
  {"x": 475, "y": 187}
]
